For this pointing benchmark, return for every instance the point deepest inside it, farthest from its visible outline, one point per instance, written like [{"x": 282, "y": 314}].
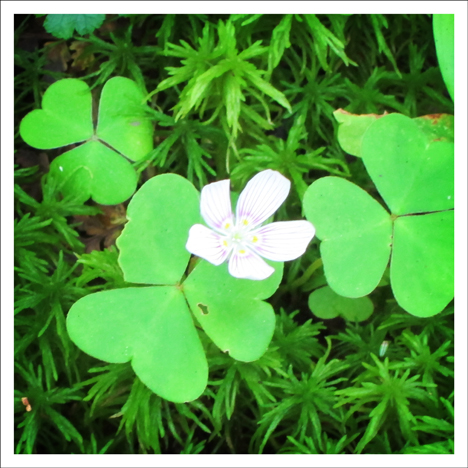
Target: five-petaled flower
[{"x": 241, "y": 238}]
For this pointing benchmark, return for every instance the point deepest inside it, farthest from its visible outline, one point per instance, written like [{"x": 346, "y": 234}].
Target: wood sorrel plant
[
  {"x": 412, "y": 167},
  {"x": 274, "y": 112},
  {"x": 99, "y": 167},
  {"x": 152, "y": 326}
]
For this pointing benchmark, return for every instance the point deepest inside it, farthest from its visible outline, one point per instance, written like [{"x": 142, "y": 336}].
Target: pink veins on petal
[{"x": 242, "y": 239}]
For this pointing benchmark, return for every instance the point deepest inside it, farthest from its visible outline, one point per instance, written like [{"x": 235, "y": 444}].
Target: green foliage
[
  {"x": 103, "y": 265},
  {"x": 351, "y": 130},
  {"x": 423, "y": 361},
  {"x": 289, "y": 157},
  {"x": 234, "y": 316},
  {"x": 444, "y": 37},
  {"x": 53, "y": 210},
  {"x": 221, "y": 80},
  {"x": 256, "y": 91},
  {"x": 378, "y": 23},
  {"x": 308, "y": 401},
  {"x": 363, "y": 232},
  {"x": 358, "y": 343},
  {"x": 31, "y": 79},
  {"x": 43, "y": 420},
  {"x": 326, "y": 304},
  {"x": 123, "y": 58},
  {"x": 63, "y": 26},
  {"x": 330, "y": 446},
  {"x": 92, "y": 169},
  {"x": 388, "y": 394},
  {"x": 414, "y": 175},
  {"x": 324, "y": 40},
  {"x": 186, "y": 148}
]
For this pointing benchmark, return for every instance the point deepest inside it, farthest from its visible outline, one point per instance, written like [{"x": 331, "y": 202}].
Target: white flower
[{"x": 240, "y": 238}]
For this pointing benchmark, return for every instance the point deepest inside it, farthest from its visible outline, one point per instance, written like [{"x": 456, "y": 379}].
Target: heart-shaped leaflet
[
  {"x": 414, "y": 175},
  {"x": 152, "y": 326},
  {"x": 100, "y": 167},
  {"x": 356, "y": 235}
]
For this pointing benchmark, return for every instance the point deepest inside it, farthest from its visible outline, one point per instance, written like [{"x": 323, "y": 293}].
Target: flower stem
[{"x": 307, "y": 274}]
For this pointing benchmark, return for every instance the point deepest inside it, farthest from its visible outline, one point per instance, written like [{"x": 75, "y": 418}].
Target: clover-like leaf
[
  {"x": 151, "y": 327},
  {"x": 326, "y": 304},
  {"x": 80, "y": 169},
  {"x": 233, "y": 313},
  {"x": 437, "y": 127},
  {"x": 422, "y": 268},
  {"x": 351, "y": 129},
  {"x": 152, "y": 244},
  {"x": 122, "y": 121},
  {"x": 355, "y": 232},
  {"x": 444, "y": 37},
  {"x": 412, "y": 166},
  {"x": 66, "y": 118},
  {"x": 412, "y": 175}
]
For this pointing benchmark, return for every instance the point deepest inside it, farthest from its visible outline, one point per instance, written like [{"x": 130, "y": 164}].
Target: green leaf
[
  {"x": 123, "y": 122},
  {"x": 422, "y": 266},
  {"x": 444, "y": 37},
  {"x": 65, "y": 117},
  {"x": 352, "y": 127},
  {"x": 202, "y": 85},
  {"x": 326, "y": 304},
  {"x": 152, "y": 328},
  {"x": 411, "y": 175},
  {"x": 355, "y": 232},
  {"x": 324, "y": 38},
  {"x": 351, "y": 130},
  {"x": 63, "y": 26},
  {"x": 437, "y": 127},
  {"x": 94, "y": 170},
  {"x": 279, "y": 42},
  {"x": 412, "y": 164},
  {"x": 379, "y": 22},
  {"x": 252, "y": 74},
  {"x": 152, "y": 244},
  {"x": 232, "y": 96},
  {"x": 231, "y": 310}
]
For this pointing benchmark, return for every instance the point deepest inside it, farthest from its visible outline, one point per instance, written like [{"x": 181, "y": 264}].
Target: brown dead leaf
[
  {"x": 58, "y": 56},
  {"x": 81, "y": 60},
  {"x": 102, "y": 230}
]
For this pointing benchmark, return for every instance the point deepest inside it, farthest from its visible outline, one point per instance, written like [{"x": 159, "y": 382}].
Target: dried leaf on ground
[
  {"x": 81, "y": 60},
  {"x": 102, "y": 230}
]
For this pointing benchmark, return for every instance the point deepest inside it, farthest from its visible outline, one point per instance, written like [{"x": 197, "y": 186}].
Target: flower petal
[
  {"x": 207, "y": 244},
  {"x": 249, "y": 265},
  {"x": 262, "y": 196},
  {"x": 282, "y": 241},
  {"x": 215, "y": 205}
]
